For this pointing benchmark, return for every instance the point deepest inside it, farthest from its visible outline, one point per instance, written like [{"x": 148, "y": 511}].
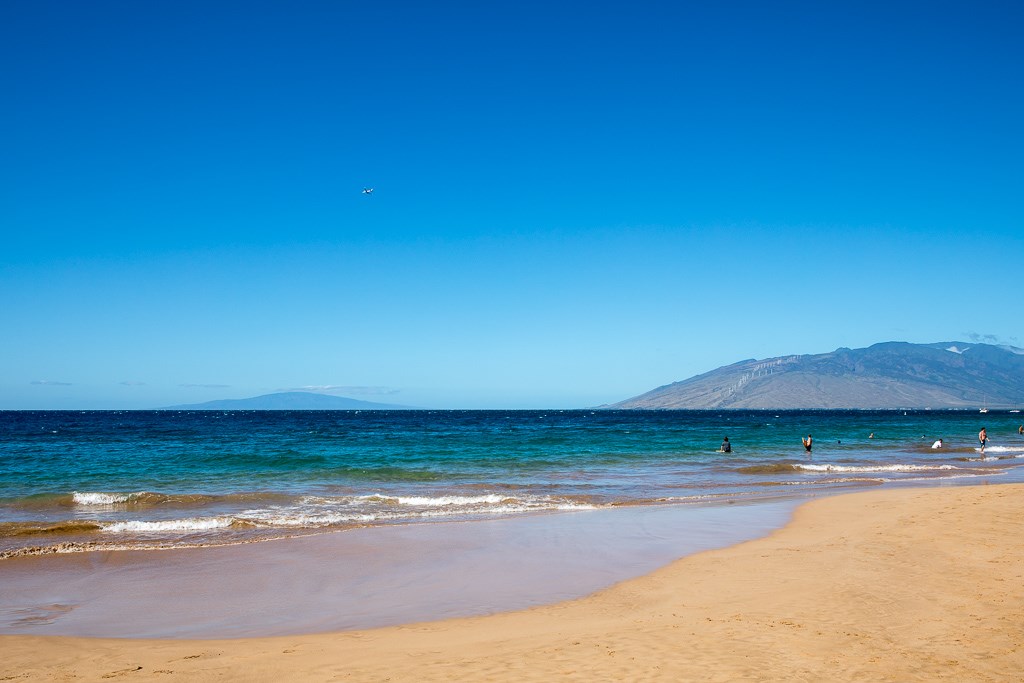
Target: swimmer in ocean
[{"x": 808, "y": 442}]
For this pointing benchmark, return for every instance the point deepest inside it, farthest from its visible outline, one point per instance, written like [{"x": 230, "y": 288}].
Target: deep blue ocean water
[{"x": 125, "y": 479}]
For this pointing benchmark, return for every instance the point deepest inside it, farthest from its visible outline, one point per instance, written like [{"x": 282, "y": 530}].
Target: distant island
[
  {"x": 886, "y": 375},
  {"x": 290, "y": 400}
]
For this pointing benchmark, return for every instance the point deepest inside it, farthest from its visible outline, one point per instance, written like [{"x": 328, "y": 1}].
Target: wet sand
[
  {"x": 363, "y": 578},
  {"x": 901, "y": 584}
]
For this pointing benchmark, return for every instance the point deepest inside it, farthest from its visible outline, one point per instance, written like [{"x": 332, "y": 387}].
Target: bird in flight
[{"x": 367, "y": 190}]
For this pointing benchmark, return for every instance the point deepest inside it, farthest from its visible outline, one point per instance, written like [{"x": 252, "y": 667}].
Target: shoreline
[
  {"x": 894, "y": 584},
  {"x": 366, "y": 577},
  {"x": 1012, "y": 472},
  {"x": 712, "y": 500}
]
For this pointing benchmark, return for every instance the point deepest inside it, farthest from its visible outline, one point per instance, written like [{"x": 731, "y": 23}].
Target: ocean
[{"x": 108, "y": 480}]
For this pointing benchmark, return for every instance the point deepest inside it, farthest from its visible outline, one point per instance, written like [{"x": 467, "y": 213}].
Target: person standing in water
[
  {"x": 808, "y": 442},
  {"x": 983, "y": 438},
  {"x": 726, "y": 446}
]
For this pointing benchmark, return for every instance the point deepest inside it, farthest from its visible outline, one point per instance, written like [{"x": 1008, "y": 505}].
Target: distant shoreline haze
[{"x": 885, "y": 376}]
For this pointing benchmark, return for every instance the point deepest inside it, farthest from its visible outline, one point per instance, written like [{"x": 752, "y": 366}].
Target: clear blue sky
[{"x": 575, "y": 201}]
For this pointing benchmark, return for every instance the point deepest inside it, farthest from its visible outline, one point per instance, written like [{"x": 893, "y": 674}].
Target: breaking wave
[
  {"x": 99, "y": 498},
  {"x": 206, "y": 524},
  {"x": 874, "y": 468}
]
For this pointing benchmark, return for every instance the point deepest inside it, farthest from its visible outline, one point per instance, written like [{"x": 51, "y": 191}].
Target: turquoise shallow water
[{"x": 82, "y": 480}]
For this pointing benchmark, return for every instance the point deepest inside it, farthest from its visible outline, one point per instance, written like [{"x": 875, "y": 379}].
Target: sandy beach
[{"x": 901, "y": 584}]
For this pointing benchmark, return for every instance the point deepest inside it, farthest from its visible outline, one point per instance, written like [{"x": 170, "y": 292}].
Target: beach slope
[{"x": 908, "y": 584}]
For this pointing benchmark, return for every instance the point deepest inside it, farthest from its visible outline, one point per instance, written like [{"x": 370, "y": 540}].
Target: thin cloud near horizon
[
  {"x": 49, "y": 383},
  {"x": 979, "y": 338}
]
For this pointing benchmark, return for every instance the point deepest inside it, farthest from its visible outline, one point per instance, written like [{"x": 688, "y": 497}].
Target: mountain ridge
[
  {"x": 289, "y": 400},
  {"x": 885, "y": 375}
]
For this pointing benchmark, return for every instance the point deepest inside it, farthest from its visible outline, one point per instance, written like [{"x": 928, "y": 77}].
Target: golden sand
[{"x": 890, "y": 585}]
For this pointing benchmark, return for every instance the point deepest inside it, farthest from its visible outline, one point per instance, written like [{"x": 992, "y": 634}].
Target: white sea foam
[
  {"x": 1003, "y": 449},
  {"x": 492, "y": 503},
  {"x": 487, "y": 502},
  {"x": 993, "y": 458},
  {"x": 874, "y": 468},
  {"x": 841, "y": 480},
  {"x": 575, "y": 506},
  {"x": 508, "y": 509},
  {"x": 965, "y": 475},
  {"x": 194, "y": 524},
  {"x": 412, "y": 501},
  {"x": 320, "y": 512},
  {"x": 297, "y": 519},
  {"x": 99, "y": 498},
  {"x": 448, "y": 501}
]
